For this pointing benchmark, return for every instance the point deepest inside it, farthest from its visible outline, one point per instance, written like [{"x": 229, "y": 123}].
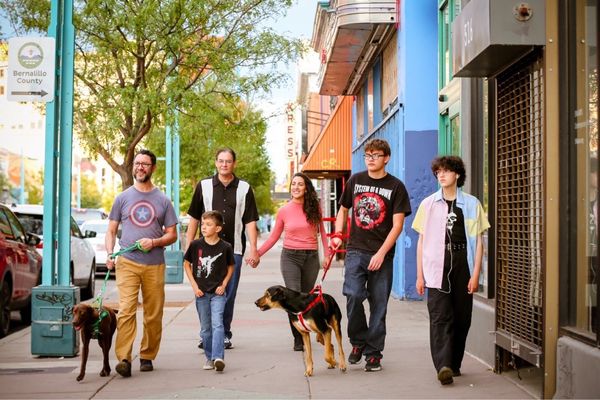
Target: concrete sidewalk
[{"x": 262, "y": 364}]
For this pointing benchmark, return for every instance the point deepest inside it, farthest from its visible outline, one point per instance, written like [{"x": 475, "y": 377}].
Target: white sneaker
[
  {"x": 209, "y": 364},
  {"x": 219, "y": 364}
]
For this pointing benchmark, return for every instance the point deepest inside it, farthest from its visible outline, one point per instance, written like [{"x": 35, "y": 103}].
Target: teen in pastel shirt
[{"x": 450, "y": 223}]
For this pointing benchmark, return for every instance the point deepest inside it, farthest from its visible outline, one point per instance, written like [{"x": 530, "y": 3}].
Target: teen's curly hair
[
  {"x": 311, "y": 206},
  {"x": 450, "y": 163}
]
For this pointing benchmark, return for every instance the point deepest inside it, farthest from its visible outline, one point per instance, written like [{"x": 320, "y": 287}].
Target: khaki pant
[{"x": 151, "y": 278}]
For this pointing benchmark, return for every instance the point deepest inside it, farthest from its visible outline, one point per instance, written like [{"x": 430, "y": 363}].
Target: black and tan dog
[
  {"x": 322, "y": 318},
  {"x": 84, "y": 319}
]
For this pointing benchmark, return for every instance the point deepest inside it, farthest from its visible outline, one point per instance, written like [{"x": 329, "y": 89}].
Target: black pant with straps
[{"x": 450, "y": 312}]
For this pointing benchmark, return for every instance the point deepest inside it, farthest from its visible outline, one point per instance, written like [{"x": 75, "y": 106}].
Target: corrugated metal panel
[{"x": 331, "y": 151}]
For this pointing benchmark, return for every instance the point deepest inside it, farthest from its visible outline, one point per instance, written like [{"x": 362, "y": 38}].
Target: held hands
[{"x": 253, "y": 262}]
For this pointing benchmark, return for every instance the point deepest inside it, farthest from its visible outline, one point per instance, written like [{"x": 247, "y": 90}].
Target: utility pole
[{"x": 52, "y": 303}]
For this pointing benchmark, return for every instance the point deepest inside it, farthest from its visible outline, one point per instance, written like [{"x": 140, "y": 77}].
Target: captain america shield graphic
[
  {"x": 369, "y": 210},
  {"x": 142, "y": 214}
]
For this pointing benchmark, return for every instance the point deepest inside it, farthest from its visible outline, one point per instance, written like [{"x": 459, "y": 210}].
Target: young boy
[
  {"x": 450, "y": 223},
  {"x": 379, "y": 203},
  {"x": 208, "y": 264}
]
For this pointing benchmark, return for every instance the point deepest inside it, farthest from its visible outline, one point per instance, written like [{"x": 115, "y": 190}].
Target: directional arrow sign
[{"x": 31, "y": 69}]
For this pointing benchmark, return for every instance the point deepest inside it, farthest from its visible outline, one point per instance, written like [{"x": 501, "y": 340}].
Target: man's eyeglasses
[
  {"x": 225, "y": 161},
  {"x": 375, "y": 156},
  {"x": 142, "y": 164}
]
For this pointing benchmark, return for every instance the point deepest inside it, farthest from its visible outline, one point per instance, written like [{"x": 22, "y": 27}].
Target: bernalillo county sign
[{"x": 31, "y": 69}]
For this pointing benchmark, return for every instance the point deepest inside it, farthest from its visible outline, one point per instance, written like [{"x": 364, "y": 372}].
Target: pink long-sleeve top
[{"x": 299, "y": 233}]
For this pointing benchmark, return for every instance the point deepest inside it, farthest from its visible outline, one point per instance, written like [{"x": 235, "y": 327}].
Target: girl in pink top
[{"x": 301, "y": 220}]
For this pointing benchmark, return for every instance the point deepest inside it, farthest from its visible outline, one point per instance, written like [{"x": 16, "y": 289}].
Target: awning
[{"x": 329, "y": 156}]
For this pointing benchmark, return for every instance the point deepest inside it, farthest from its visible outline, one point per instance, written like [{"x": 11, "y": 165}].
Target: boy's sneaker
[
  {"x": 219, "y": 365},
  {"x": 124, "y": 368},
  {"x": 209, "y": 364},
  {"x": 227, "y": 343},
  {"x": 373, "y": 364},
  {"x": 200, "y": 344},
  {"x": 356, "y": 354}
]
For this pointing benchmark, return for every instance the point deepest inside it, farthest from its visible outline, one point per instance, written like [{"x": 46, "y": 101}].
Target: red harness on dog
[{"x": 318, "y": 289}]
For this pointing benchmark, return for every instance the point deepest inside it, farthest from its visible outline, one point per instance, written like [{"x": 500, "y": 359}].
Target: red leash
[{"x": 318, "y": 288}]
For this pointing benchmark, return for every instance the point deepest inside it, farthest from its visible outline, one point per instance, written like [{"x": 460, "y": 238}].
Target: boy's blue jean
[
  {"x": 360, "y": 284},
  {"x": 210, "y": 309}
]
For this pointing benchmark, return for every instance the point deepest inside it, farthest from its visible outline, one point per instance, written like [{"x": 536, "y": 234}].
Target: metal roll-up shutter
[{"x": 520, "y": 205}]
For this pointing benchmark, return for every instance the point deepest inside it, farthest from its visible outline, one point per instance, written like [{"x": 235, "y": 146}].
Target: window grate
[{"x": 520, "y": 205}]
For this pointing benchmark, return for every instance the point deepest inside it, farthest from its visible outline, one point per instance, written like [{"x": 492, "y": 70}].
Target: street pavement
[{"x": 261, "y": 365}]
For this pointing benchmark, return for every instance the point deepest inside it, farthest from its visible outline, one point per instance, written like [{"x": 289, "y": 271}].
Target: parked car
[
  {"x": 83, "y": 258},
  {"x": 86, "y": 214},
  {"x": 20, "y": 269},
  {"x": 100, "y": 226}
]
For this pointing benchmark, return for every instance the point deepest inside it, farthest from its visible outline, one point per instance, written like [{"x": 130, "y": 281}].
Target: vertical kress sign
[
  {"x": 31, "y": 62},
  {"x": 290, "y": 138}
]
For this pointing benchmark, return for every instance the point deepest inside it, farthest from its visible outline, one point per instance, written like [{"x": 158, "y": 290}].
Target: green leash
[{"x": 98, "y": 300}]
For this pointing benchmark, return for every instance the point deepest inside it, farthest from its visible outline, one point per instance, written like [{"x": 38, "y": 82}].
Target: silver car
[
  {"x": 100, "y": 226},
  {"x": 83, "y": 258}
]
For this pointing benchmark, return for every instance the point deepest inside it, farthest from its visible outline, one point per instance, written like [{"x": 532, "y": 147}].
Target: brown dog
[
  {"x": 84, "y": 319},
  {"x": 321, "y": 318}
]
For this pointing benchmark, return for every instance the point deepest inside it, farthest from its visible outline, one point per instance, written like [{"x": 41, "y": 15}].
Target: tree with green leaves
[
  {"x": 90, "y": 195},
  {"x": 213, "y": 122},
  {"x": 137, "y": 61}
]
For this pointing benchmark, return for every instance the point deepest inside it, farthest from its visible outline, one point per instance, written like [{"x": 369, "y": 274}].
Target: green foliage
[
  {"x": 34, "y": 184},
  {"x": 138, "y": 61},
  {"x": 90, "y": 195},
  {"x": 211, "y": 123}
]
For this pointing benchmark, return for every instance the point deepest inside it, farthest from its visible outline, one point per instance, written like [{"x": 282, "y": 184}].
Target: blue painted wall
[{"x": 410, "y": 128}]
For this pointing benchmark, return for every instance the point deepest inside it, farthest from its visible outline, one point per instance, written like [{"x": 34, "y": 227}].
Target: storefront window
[{"x": 584, "y": 109}]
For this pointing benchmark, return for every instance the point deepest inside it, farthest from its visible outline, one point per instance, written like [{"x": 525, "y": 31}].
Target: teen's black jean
[{"x": 450, "y": 311}]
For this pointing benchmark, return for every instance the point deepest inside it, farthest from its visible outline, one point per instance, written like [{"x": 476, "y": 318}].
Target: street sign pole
[{"x": 52, "y": 303}]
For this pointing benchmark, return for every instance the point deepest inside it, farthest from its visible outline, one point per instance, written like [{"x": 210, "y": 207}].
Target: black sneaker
[
  {"x": 200, "y": 344},
  {"x": 356, "y": 354},
  {"x": 146, "y": 365},
  {"x": 456, "y": 372},
  {"x": 445, "y": 375},
  {"x": 227, "y": 343},
  {"x": 124, "y": 369},
  {"x": 373, "y": 364}
]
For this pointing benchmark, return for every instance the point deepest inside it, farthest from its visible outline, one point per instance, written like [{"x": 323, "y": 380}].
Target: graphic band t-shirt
[
  {"x": 143, "y": 215},
  {"x": 373, "y": 203},
  {"x": 455, "y": 224},
  {"x": 209, "y": 263}
]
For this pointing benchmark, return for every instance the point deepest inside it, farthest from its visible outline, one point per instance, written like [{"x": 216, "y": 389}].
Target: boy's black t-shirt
[
  {"x": 455, "y": 224},
  {"x": 209, "y": 263},
  {"x": 374, "y": 203}
]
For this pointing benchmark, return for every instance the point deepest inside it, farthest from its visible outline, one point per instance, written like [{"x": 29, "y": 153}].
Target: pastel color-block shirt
[
  {"x": 430, "y": 222},
  {"x": 299, "y": 233}
]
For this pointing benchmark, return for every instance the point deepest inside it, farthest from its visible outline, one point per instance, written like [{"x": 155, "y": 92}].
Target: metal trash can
[{"x": 52, "y": 332}]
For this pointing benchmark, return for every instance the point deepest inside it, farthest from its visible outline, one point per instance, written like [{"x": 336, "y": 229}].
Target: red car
[{"x": 20, "y": 269}]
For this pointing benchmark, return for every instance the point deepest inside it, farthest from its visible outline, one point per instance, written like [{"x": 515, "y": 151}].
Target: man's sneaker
[
  {"x": 445, "y": 376},
  {"x": 373, "y": 364},
  {"x": 146, "y": 365},
  {"x": 219, "y": 365},
  {"x": 227, "y": 343},
  {"x": 124, "y": 369},
  {"x": 209, "y": 364},
  {"x": 200, "y": 344},
  {"x": 356, "y": 354}
]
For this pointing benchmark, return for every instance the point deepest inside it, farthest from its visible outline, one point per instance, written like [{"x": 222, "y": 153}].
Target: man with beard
[{"x": 149, "y": 220}]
